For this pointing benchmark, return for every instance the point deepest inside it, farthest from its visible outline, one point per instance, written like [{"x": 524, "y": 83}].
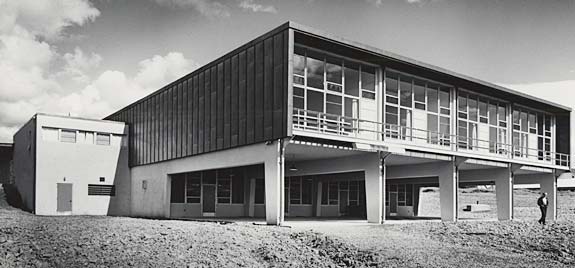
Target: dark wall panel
[{"x": 236, "y": 100}]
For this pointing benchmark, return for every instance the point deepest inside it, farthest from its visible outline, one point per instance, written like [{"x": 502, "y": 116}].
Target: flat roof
[
  {"x": 397, "y": 57},
  {"x": 79, "y": 118}
]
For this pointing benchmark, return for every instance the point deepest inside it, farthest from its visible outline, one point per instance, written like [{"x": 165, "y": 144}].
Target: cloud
[
  {"x": 205, "y": 7},
  {"x": 35, "y": 77},
  {"x": 378, "y": 3},
  {"x": 45, "y": 18},
  {"x": 252, "y": 6}
]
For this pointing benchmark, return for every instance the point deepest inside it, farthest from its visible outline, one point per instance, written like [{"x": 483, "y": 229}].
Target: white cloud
[
  {"x": 46, "y": 18},
  {"x": 205, "y": 7},
  {"x": 252, "y": 6},
  {"x": 36, "y": 78}
]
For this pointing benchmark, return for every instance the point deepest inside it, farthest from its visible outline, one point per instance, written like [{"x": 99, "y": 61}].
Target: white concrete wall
[
  {"x": 24, "y": 157},
  {"x": 82, "y": 164}
]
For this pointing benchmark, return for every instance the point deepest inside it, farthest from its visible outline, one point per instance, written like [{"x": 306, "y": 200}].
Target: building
[
  {"x": 6, "y": 162},
  {"x": 66, "y": 165},
  {"x": 298, "y": 122}
]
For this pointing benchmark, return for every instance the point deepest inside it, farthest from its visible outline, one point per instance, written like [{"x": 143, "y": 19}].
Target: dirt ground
[{"x": 27, "y": 240}]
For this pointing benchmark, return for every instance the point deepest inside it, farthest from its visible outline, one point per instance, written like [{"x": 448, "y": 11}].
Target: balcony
[{"x": 342, "y": 126}]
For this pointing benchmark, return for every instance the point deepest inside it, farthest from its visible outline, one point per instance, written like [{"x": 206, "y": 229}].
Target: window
[
  {"x": 194, "y": 187},
  {"x": 102, "y": 179},
  {"x": 102, "y": 139},
  {"x": 368, "y": 82},
  {"x": 178, "y": 189},
  {"x": 333, "y": 193},
  {"x": 101, "y": 190},
  {"x": 298, "y": 98},
  {"x": 405, "y": 91},
  {"x": 333, "y": 72},
  {"x": 432, "y": 98},
  {"x": 68, "y": 136},
  {"x": 224, "y": 190},
  {"x": 352, "y": 79},
  {"x": 237, "y": 188},
  {"x": 315, "y": 70},
  {"x": 315, "y": 101},
  {"x": 295, "y": 190}
]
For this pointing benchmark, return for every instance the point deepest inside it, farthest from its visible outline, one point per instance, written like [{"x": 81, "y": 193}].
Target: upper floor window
[
  {"x": 102, "y": 139},
  {"x": 68, "y": 136}
]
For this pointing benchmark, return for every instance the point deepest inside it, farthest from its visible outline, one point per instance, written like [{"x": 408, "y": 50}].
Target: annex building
[{"x": 297, "y": 123}]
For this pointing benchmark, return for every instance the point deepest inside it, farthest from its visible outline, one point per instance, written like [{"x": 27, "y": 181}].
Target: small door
[
  {"x": 209, "y": 200},
  {"x": 392, "y": 202},
  {"x": 64, "y": 197},
  {"x": 343, "y": 208}
]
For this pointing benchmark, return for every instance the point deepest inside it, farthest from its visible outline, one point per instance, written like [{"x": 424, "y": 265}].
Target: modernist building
[{"x": 301, "y": 123}]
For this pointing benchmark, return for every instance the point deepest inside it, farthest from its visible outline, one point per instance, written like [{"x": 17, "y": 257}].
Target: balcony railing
[{"x": 364, "y": 129}]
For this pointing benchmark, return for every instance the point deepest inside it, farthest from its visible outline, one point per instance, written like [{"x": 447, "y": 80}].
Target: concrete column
[
  {"x": 448, "y": 192},
  {"x": 252, "y": 198},
  {"x": 548, "y": 184},
  {"x": 274, "y": 183},
  {"x": 318, "y": 200},
  {"x": 504, "y": 193},
  {"x": 373, "y": 188}
]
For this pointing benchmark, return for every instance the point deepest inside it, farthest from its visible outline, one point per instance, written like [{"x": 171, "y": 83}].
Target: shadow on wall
[
  {"x": 119, "y": 204},
  {"x": 13, "y": 197}
]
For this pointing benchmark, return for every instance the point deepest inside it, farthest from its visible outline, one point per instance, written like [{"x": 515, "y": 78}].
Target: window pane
[
  {"x": 391, "y": 86},
  {"x": 405, "y": 117},
  {"x": 502, "y": 114},
  {"x": 368, "y": 78},
  {"x": 444, "y": 97},
  {"x": 462, "y": 102},
  {"x": 351, "y": 79},
  {"x": 524, "y": 121},
  {"x": 405, "y": 91},
  {"x": 419, "y": 91},
  {"x": 49, "y": 134},
  {"x": 472, "y": 109},
  {"x": 307, "y": 190},
  {"x": 333, "y": 193},
  {"x": 298, "y": 64},
  {"x": 315, "y": 101},
  {"x": 483, "y": 107},
  {"x": 294, "y": 190},
  {"x": 224, "y": 190},
  {"x": 492, "y": 114},
  {"x": 177, "y": 189},
  {"x": 351, "y": 107},
  {"x": 315, "y": 70},
  {"x": 432, "y": 98},
  {"x": 324, "y": 193},
  {"x": 540, "y": 125},
  {"x": 333, "y": 70},
  {"x": 193, "y": 186}
]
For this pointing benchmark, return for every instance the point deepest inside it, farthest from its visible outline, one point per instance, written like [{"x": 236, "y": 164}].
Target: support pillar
[
  {"x": 548, "y": 183},
  {"x": 504, "y": 193},
  {"x": 448, "y": 192},
  {"x": 252, "y": 198},
  {"x": 274, "y": 182},
  {"x": 374, "y": 188},
  {"x": 318, "y": 200}
]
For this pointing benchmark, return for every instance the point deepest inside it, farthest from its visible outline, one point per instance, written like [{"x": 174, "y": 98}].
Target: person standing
[{"x": 542, "y": 202}]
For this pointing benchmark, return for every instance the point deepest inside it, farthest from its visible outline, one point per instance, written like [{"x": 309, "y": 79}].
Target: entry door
[
  {"x": 209, "y": 200},
  {"x": 343, "y": 203},
  {"x": 392, "y": 202},
  {"x": 64, "y": 197}
]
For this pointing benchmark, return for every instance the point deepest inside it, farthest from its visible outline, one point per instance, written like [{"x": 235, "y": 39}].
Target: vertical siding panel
[
  {"x": 234, "y": 103},
  {"x": 178, "y": 114},
  {"x": 242, "y": 99},
  {"x": 278, "y": 75},
  {"x": 171, "y": 122},
  {"x": 166, "y": 129},
  {"x": 214, "y": 109},
  {"x": 268, "y": 88},
  {"x": 259, "y": 94},
  {"x": 156, "y": 127},
  {"x": 220, "y": 105},
  {"x": 201, "y": 113},
  {"x": 132, "y": 137},
  {"x": 146, "y": 129},
  {"x": 208, "y": 110},
  {"x": 251, "y": 90},
  {"x": 184, "y": 119},
  {"x": 195, "y": 117},
  {"x": 227, "y": 105},
  {"x": 190, "y": 115},
  {"x": 139, "y": 134}
]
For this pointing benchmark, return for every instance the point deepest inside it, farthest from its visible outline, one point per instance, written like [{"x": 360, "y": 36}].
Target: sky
[{"x": 91, "y": 58}]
